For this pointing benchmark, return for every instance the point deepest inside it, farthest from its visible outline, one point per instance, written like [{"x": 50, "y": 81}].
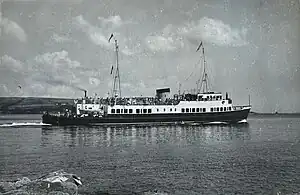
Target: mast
[
  {"x": 117, "y": 83},
  {"x": 204, "y": 79},
  {"x": 249, "y": 100}
]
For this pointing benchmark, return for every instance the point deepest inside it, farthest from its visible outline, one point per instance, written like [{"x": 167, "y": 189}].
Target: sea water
[{"x": 258, "y": 157}]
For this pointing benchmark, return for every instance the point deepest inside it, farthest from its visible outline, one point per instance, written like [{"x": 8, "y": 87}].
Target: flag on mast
[
  {"x": 111, "y": 36},
  {"x": 111, "y": 71},
  {"x": 199, "y": 46}
]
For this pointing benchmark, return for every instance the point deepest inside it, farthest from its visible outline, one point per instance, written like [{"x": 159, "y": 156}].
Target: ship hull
[{"x": 225, "y": 117}]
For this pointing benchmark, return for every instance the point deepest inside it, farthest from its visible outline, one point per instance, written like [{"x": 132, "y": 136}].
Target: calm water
[{"x": 259, "y": 158}]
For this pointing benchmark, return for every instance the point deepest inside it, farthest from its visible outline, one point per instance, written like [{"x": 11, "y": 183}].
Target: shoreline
[{"x": 37, "y": 105}]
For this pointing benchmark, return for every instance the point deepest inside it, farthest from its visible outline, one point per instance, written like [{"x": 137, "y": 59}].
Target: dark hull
[{"x": 227, "y": 117}]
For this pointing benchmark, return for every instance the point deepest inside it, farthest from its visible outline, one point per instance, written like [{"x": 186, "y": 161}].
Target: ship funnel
[{"x": 162, "y": 93}]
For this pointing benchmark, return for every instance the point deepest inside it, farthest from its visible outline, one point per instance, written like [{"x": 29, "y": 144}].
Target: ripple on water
[{"x": 261, "y": 157}]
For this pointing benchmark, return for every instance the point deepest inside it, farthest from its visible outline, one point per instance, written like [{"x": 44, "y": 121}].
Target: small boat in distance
[{"x": 202, "y": 106}]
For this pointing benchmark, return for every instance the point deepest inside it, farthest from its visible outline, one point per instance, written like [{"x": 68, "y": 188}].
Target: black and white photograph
[{"x": 149, "y": 97}]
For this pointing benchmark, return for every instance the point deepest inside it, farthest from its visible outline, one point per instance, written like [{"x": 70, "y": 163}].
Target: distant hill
[
  {"x": 256, "y": 114},
  {"x": 33, "y": 105}
]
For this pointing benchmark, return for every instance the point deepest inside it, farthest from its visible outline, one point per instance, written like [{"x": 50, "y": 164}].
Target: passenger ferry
[{"x": 202, "y": 106}]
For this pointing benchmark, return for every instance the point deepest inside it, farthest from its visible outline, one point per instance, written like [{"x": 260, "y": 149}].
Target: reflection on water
[
  {"x": 256, "y": 158},
  {"x": 149, "y": 135}
]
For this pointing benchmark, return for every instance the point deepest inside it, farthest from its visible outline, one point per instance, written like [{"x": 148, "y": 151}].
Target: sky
[{"x": 54, "y": 48}]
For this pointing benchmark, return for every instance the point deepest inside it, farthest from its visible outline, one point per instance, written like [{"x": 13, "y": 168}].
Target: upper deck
[{"x": 151, "y": 100}]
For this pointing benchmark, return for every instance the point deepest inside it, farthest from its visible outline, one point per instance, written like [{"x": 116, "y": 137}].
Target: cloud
[
  {"x": 11, "y": 75},
  {"x": 11, "y": 63},
  {"x": 5, "y": 89},
  {"x": 214, "y": 31},
  {"x": 60, "y": 38},
  {"x": 55, "y": 69},
  {"x": 95, "y": 34},
  {"x": 127, "y": 51},
  {"x": 100, "y": 36},
  {"x": 167, "y": 41},
  {"x": 57, "y": 60},
  {"x": 94, "y": 81},
  {"x": 47, "y": 74},
  {"x": 12, "y": 28},
  {"x": 160, "y": 43},
  {"x": 114, "y": 21},
  {"x": 49, "y": 71},
  {"x": 206, "y": 29}
]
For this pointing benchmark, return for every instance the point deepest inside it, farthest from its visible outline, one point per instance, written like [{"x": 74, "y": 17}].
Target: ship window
[
  {"x": 125, "y": 111},
  {"x": 201, "y": 109},
  {"x": 130, "y": 110},
  {"x": 144, "y": 110},
  {"x": 85, "y": 107},
  {"x": 229, "y": 108},
  {"x": 122, "y": 111},
  {"x": 137, "y": 111},
  {"x": 182, "y": 109},
  {"x": 187, "y": 110},
  {"x": 218, "y": 109},
  {"x": 204, "y": 109},
  {"x": 118, "y": 110},
  {"x": 149, "y": 110},
  {"x": 221, "y": 109},
  {"x": 193, "y": 109},
  {"x": 164, "y": 110},
  {"x": 157, "y": 110},
  {"x": 211, "y": 109},
  {"x": 197, "y": 110},
  {"x": 215, "y": 109},
  {"x": 113, "y": 111},
  {"x": 170, "y": 109},
  {"x": 224, "y": 108},
  {"x": 175, "y": 109}
]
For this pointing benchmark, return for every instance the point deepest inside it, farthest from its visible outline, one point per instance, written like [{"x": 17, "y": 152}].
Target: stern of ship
[{"x": 50, "y": 119}]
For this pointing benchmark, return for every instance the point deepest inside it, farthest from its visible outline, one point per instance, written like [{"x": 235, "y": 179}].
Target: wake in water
[
  {"x": 24, "y": 124},
  {"x": 58, "y": 182},
  {"x": 225, "y": 123}
]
